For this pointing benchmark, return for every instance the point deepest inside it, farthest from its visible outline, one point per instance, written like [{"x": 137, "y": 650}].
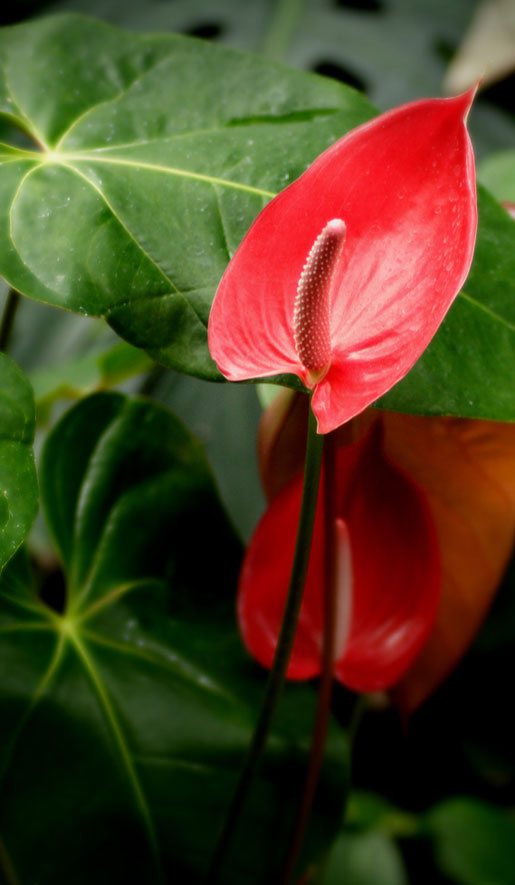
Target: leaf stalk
[
  {"x": 284, "y": 647},
  {"x": 7, "y": 323}
]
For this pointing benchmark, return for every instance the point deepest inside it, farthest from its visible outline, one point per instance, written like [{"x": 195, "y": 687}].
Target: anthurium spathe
[
  {"x": 388, "y": 573},
  {"x": 345, "y": 276},
  {"x": 466, "y": 471}
]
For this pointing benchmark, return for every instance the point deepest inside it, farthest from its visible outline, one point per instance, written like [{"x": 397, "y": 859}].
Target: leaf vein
[
  {"x": 114, "y": 98},
  {"x": 112, "y": 597},
  {"x": 119, "y": 737},
  {"x": 31, "y": 126},
  {"x": 33, "y": 702},
  {"x": 491, "y": 313},
  {"x": 176, "y": 291},
  {"x": 32, "y": 607},
  {"x": 16, "y": 194},
  {"x": 103, "y": 197},
  {"x": 190, "y": 670},
  {"x": 28, "y": 628},
  {"x": 169, "y": 170}
]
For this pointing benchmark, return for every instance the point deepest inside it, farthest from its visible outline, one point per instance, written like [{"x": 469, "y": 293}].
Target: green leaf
[
  {"x": 365, "y": 859},
  {"x": 151, "y": 169},
  {"x": 42, "y": 338},
  {"x": 467, "y": 370},
  {"x": 497, "y": 173},
  {"x": 224, "y": 418},
  {"x": 370, "y": 811},
  {"x": 156, "y": 153},
  {"x": 474, "y": 841},
  {"x": 394, "y": 50},
  {"x": 84, "y": 374},
  {"x": 18, "y": 483},
  {"x": 125, "y": 718}
]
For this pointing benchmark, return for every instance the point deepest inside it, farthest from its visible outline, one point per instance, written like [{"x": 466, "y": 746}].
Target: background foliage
[{"x": 130, "y": 660}]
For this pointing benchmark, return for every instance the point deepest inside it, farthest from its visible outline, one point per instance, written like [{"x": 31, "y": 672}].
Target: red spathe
[
  {"x": 404, "y": 186},
  {"x": 395, "y": 568}
]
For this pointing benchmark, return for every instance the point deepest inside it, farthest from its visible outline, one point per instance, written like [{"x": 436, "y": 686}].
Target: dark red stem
[{"x": 323, "y": 710}]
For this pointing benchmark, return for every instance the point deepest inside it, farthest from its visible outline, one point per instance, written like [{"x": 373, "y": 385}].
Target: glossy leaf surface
[
  {"x": 162, "y": 154},
  {"x": 175, "y": 190},
  {"x": 18, "y": 483},
  {"x": 475, "y": 346},
  {"x": 125, "y": 718},
  {"x": 393, "y": 50}
]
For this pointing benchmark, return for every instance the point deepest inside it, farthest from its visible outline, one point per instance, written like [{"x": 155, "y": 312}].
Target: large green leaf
[
  {"x": 156, "y": 153},
  {"x": 18, "y": 484},
  {"x": 126, "y": 717},
  {"x": 474, "y": 841},
  {"x": 395, "y": 50}
]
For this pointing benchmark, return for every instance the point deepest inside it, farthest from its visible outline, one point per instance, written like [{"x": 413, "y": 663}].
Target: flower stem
[
  {"x": 6, "y": 325},
  {"x": 323, "y": 710},
  {"x": 284, "y": 645}
]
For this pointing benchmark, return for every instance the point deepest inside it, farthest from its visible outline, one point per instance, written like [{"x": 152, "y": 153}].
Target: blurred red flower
[
  {"x": 462, "y": 471},
  {"x": 387, "y": 573}
]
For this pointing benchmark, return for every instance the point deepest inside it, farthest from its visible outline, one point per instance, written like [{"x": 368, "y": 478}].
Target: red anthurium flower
[
  {"x": 345, "y": 276},
  {"x": 388, "y": 573},
  {"x": 466, "y": 471}
]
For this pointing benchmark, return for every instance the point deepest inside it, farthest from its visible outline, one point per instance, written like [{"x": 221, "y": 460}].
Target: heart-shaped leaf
[
  {"x": 153, "y": 156},
  {"x": 393, "y": 50},
  {"x": 157, "y": 153},
  {"x": 127, "y": 715},
  {"x": 18, "y": 483}
]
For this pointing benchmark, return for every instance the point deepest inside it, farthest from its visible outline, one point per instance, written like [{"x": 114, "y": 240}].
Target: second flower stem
[
  {"x": 284, "y": 647},
  {"x": 323, "y": 711}
]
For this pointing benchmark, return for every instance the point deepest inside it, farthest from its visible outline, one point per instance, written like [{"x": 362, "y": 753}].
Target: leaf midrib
[
  {"x": 67, "y": 161},
  {"x": 71, "y": 637},
  {"x": 116, "y": 729},
  {"x": 64, "y": 162},
  {"x": 84, "y": 156},
  {"x": 491, "y": 313}
]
